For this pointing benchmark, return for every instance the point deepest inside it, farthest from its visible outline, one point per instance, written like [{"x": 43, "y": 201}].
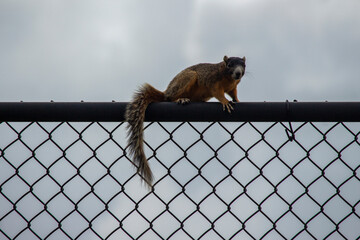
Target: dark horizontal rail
[{"x": 172, "y": 112}]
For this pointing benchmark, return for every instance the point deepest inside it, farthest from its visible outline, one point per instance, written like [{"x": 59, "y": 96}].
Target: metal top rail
[{"x": 172, "y": 112}]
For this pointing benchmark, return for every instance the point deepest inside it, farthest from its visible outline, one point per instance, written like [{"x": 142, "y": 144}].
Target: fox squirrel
[{"x": 196, "y": 83}]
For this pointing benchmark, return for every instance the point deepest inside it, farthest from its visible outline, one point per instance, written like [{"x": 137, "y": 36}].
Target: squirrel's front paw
[{"x": 227, "y": 106}]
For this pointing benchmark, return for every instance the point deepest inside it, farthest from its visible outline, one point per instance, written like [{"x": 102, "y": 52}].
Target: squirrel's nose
[{"x": 238, "y": 75}]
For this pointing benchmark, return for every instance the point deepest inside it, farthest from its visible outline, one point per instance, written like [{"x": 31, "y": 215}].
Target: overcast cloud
[{"x": 103, "y": 50}]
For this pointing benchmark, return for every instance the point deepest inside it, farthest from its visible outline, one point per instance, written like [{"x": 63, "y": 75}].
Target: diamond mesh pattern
[{"x": 213, "y": 181}]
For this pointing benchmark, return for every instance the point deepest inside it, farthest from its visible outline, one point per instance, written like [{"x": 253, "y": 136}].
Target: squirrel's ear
[
  {"x": 226, "y": 58},
  {"x": 244, "y": 58}
]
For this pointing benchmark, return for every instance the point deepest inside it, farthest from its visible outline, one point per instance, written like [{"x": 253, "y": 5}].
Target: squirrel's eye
[{"x": 229, "y": 65}]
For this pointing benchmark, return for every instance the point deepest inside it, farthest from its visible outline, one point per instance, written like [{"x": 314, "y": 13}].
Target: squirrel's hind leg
[{"x": 182, "y": 101}]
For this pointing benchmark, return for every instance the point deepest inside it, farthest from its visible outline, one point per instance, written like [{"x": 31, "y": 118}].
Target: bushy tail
[{"x": 134, "y": 115}]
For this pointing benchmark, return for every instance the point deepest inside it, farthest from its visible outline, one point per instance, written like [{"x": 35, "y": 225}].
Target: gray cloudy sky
[{"x": 103, "y": 50}]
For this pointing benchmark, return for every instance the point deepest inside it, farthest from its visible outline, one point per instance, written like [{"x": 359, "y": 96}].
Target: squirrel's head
[{"x": 235, "y": 66}]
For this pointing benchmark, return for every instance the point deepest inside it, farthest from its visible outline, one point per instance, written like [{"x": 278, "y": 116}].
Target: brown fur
[
  {"x": 135, "y": 114},
  {"x": 196, "y": 83}
]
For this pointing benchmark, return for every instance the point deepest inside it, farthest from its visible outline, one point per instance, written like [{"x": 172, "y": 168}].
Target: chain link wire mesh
[{"x": 217, "y": 180}]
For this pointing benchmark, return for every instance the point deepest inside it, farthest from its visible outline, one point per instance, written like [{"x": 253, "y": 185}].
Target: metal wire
[{"x": 217, "y": 180}]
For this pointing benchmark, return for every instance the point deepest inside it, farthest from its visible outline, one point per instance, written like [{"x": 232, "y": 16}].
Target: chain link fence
[{"x": 213, "y": 180}]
